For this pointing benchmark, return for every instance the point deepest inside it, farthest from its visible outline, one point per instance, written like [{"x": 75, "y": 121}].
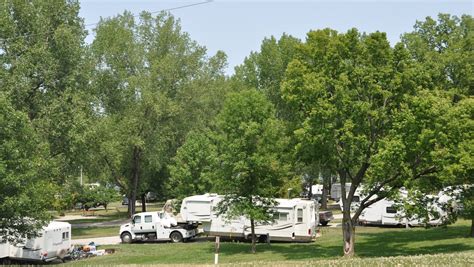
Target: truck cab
[{"x": 155, "y": 226}]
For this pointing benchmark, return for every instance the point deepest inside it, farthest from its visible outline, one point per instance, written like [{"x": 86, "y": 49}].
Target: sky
[{"x": 238, "y": 27}]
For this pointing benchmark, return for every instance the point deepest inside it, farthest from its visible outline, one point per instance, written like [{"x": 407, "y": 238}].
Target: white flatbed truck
[{"x": 147, "y": 226}]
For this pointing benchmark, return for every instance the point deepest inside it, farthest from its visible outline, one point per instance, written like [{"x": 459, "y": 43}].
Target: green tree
[
  {"x": 249, "y": 168},
  {"x": 191, "y": 168},
  {"x": 444, "y": 50},
  {"x": 363, "y": 112},
  {"x": 265, "y": 70},
  {"x": 44, "y": 72},
  {"x": 148, "y": 73},
  {"x": 23, "y": 176}
]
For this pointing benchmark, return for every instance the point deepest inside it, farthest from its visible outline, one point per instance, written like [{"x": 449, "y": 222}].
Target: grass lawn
[
  {"x": 114, "y": 211},
  {"x": 371, "y": 243},
  {"x": 81, "y": 233}
]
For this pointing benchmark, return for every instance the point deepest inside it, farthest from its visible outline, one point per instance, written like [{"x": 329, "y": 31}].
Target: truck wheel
[
  {"x": 126, "y": 238},
  {"x": 176, "y": 237},
  {"x": 324, "y": 223}
]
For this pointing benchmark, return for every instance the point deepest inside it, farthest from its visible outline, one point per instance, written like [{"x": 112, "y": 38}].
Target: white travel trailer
[
  {"x": 294, "y": 219},
  {"x": 385, "y": 212},
  {"x": 54, "y": 243},
  {"x": 317, "y": 191},
  {"x": 336, "y": 191}
]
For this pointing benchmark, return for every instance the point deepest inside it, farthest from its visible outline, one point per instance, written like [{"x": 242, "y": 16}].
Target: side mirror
[{"x": 133, "y": 221}]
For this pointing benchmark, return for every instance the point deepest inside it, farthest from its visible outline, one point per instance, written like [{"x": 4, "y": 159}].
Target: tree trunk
[
  {"x": 324, "y": 200},
  {"x": 472, "y": 227},
  {"x": 252, "y": 227},
  {"x": 135, "y": 178},
  {"x": 129, "y": 206},
  {"x": 143, "y": 202},
  {"x": 348, "y": 233}
]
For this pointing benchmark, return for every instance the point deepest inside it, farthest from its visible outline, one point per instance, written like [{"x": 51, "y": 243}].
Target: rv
[
  {"x": 53, "y": 243},
  {"x": 387, "y": 212},
  {"x": 146, "y": 226},
  {"x": 336, "y": 191},
  {"x": 316, "y": 191},
  {"x": 294, "y": 219}
]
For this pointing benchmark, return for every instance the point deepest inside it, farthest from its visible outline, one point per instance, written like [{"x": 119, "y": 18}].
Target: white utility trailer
[
  {"x": 294, "y": 219},
  {"x": 146, "y": 226},
  {"x": 336, "y": 191},
  {"x": 54, "y": 242}
]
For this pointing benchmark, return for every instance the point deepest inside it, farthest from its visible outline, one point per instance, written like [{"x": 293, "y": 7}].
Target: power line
[
  {"x": 95, "y": 23},
  {"x": 163, "y": 10}
]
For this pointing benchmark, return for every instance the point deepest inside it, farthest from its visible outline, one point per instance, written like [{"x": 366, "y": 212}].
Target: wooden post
[{"x": 216, "y": 255}]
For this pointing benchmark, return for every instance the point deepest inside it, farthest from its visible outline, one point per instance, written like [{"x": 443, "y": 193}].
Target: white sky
[{"x": 238, "y": 27}]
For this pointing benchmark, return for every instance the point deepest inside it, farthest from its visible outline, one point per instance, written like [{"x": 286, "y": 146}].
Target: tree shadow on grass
[
  {"x": 396, "y": 242},
  {"x": 416, "y": 241},
  {"x": 290, "y": 251}
]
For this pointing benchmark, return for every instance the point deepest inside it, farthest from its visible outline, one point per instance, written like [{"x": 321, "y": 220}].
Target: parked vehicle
[
  {"x": 294, "y": 219},
  {"x": 325, "y": 217},
  {"x": 387, "y": 212},
  {"x": 336, "y": 191},
  {"x": 156, "y": 226},
  {"x": 53, "y": 243},
  {"x": 317, "y": 192}
]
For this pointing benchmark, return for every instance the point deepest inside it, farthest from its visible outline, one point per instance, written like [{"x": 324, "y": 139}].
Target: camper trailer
[
  {"x": 386, "y": 212},
  {"x": 294, "y": 219},
  {"x": 317, "y": 191},
  {"x": 54, "y": 242},
  {"x": 336, "y": 191}
]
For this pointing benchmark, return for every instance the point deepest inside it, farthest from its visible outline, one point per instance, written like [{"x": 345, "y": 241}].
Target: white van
[
  {"x": 54, "y": 242},
  {"x": 294, "y": 219}
]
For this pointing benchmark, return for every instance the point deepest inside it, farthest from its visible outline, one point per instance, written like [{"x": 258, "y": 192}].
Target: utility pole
[{"x": 81, "y": 175}]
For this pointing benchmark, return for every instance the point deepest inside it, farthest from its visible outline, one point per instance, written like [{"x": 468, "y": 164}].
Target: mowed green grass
[
  {"x": 371, "y": 243},
  {"x": 90, "y": 232}
]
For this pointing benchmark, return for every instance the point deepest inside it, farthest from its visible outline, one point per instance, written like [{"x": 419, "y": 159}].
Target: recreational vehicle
[
  {"x": 156, "y": 226},
  {"x": 294, "y": 219},
  {"x": 387, "y": 212},
  {"x": 54, "y": 242},
  {"x": 316, "y": 191},
  {"x": 336, "y": 191}
]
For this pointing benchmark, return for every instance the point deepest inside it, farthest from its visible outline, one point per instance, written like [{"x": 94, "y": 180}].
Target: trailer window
[
  {"x": 148, "y": 219},
  {"x": 299, "y": 215},
  {"x": 391, "y": 209},
  {"x": 280, "y": 216},
  {"x": 65, "y": 235}
]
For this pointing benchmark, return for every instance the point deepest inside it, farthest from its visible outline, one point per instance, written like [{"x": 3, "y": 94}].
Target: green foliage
[
  {"x": 191, "y": 169},
  {"x": 364, "y": 113},
  {"x": 44, "y": 73},
  {"x": 94, "y": 196},
  {"x": 445, "y": 50},
  {"x": 23, "y": 180},
  {"x": 249, "y": 170},
  {"x": 265, "y": 70},
  {"x": 148, "y": 73}
]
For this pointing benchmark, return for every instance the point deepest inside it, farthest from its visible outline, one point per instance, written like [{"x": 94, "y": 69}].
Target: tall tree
[
  {"x": 444, "y": 49},
  {"x": 362, "y": 111},
  {"x": 43, "y": 81},
  {"x": 146, "y": 73},
  {"x": 249, "y": 167},
  {"x": 43, "y": 72},
  {"x": 23, "y": 176}
]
